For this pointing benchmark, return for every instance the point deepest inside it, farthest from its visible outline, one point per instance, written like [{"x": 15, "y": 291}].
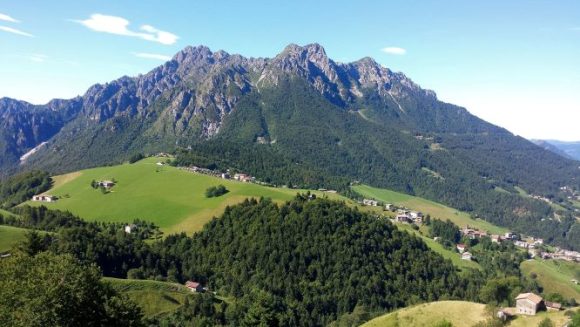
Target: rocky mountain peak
[{"x": 190, "y": 53}]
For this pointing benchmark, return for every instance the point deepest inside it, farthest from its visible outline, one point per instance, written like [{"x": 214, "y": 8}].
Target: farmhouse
[
  {"x": 528, "y": 303},
  {"x": 369, "y": 202},
  {"x": 466, "y": 256},
  {"x": 472, "y": 233},
  {"x": 130, "y": 228},
  {"x": 402, "y": 218},
  {"x": 416, "y": 214},
  {"x": 106, "y": 184},
  {"x": 389, "y": 207},
  {"x": 44, "y": 198},
  {"x": 496, "y": 239},
  {"x": 461, "y": 247},
  {"x": 194, "y": 286},
  {"x": 553, "y": 306},
  {"x": 522, "y": 244},
  {"x": 511, "y": 236},
  {"x": 243, "y": 178}
]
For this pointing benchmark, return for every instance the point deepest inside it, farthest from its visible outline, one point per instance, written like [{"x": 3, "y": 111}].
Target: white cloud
[
  {"x": 394, "y": 51},
  {"x": 14, "y": 31},
  {"x": 152, "y": 56},
  {"x": 38, "y": 57},
  {"x": 7, "y": 18},
  {"x": 120, "y": 26}
]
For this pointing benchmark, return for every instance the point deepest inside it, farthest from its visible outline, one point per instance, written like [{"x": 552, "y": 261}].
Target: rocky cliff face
[{"x": 190, "y": 97}]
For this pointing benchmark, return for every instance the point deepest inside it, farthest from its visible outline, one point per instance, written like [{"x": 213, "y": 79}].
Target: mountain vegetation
[
  {"x": 304, "y": 120},
  {"x": 55, "y": 290},
  {"x": 301, "y": 263},
  {"x": 22, "y": 187}
]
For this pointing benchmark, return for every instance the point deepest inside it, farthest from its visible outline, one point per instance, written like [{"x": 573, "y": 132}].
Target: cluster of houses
[
  {"x": 403, "y": 215},
  {"x": 462, "y": 249},
  {"x": 528, "y": 304},
  {"x": 238, "y": 176},
  {"x": 243, "y": 178},
  {"x": 44, "y": 198},
  {"x": 570, "y": 193},
  {"x": 561, "y": 254},
  {"x": 530, "y": 243},
  {"x": 409, "y": 217}
]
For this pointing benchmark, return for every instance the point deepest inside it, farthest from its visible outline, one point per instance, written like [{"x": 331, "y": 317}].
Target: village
[{"x": 532, "y": 245}]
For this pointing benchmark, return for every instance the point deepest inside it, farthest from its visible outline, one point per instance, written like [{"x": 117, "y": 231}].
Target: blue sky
[{"x": 514, "y": 63}]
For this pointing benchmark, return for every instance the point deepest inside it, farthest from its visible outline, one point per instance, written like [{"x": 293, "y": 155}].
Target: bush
[
  {"x": 136, "y": 157},
  {"x": 546, "y": 323},
  {"x": 216, "y": 191}
]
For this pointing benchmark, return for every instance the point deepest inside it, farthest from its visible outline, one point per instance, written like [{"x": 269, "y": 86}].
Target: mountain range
[
  {"x": 300, "y": 119},
  {"x": 570, "y": 150}
]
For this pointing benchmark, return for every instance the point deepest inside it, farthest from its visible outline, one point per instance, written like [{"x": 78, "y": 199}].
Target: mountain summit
[{"x": 299, "y": 118}]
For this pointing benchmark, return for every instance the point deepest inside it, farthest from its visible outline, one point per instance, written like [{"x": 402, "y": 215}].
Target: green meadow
[
  {"x": 555, "y": 276},
  {"x": 172, "y": 198},
  {"x": 9, "y": 236},
  {"x": 458, "y": 313},
  {"x": 455, "y": 257},
  {"x": 436, "y": 210},
  {"x": 153, "y": 297}
]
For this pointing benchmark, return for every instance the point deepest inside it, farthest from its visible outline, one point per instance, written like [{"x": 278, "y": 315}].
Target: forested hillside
[
  {"x": 301, "y": 118},
  {"x": 307, "y": 262}
]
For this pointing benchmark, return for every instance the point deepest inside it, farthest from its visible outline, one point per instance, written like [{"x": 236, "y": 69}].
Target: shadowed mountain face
[
  {"x": 298, "y": 118},
  {"x": 570, "y": 150}
]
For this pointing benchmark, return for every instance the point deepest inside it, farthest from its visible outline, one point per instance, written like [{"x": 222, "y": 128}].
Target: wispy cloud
[
  {"x": 120, "y": 26},
  {"x": 394, "y": 51},
  {"x": 14, "y": 31},
  {"x": 37, "y": 57},
  {"x": 7, "y": 18},
  {"x": 152, "y": 56}
]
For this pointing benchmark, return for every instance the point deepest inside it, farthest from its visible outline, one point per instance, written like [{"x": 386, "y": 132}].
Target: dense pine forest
[{"x": 303, "y": 263}]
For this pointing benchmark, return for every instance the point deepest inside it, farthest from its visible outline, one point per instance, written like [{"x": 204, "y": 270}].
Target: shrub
[{"x": 215, "y": 191}]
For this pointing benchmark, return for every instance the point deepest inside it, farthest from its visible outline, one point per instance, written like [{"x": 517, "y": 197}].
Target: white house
[
  {"x": 130, "y": 228},
  {"x": 369, "y": 202},
  {"x": 44, "y": 198},
  {"x": 466, "y": 256},
  {"x": 528, "y": 303}
]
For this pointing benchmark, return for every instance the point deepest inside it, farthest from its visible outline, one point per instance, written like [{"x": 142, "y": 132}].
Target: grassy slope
[
  {"x": 459, "y": 313},
  {"x": 554, "y": 276},
  {"x": 447, "y": 254},
  {"x": 558, "y": 318},
  {"x": 152, "y": 296},
  {"x": 436, "y": 210},
  {"x": 174, "y": 199},
  {"x": 9, "y": 236}
]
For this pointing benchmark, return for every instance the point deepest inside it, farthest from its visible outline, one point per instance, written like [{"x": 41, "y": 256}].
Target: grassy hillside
[
  {"x": 9, "y": 236},
  {"x": 436, "y": 210},
  {"x": 555, "y": 276},
  {"x": 152, "y": 296},
  {"x": 459, "y": 313},
  {"x": 174, "y": 199},
  {"x": 447, "y": 254}
]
